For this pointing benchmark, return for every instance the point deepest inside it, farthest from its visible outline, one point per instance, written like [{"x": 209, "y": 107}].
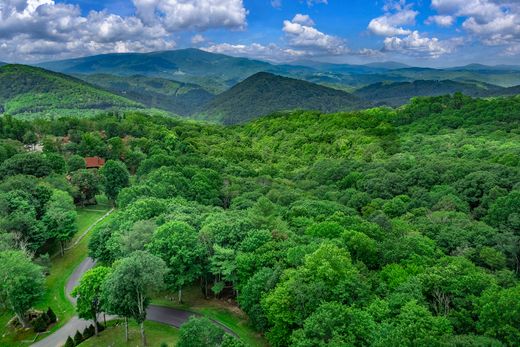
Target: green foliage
[
  {"x": 78, "y": 338},
  {"x": 200, "y": 332},
  {"x": 26, "y": 164},
  {"x": 89, "y": 293},
  {"x": 25, "y": 89},
  {"x": 116, "y": 178},
  {"x": 21, "y": 285},
  {"x": 51, "y": 315},
  {"x": 498, "y": 314},
  {"x": 127, "y": 290},
  {"x": 178, "y": 245},
  {"x": 40, "y": 323},
  {"x": 88, "y": 183},
  {"x": 69, "y": 342}
]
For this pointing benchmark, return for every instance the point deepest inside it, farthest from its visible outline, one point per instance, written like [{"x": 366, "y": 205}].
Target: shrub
[
  {"x": 88, "y": 332},
  {"x": 40, "y": 323},
  {"x": 78, "y": 338},
  {"x": 51, "y": 316},
  {"x": 69, "y": 343}
]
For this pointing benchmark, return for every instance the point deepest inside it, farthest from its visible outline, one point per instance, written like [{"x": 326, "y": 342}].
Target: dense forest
[
  {"x": 382, "y": 227},
  {"x": 31, "y": 91}
]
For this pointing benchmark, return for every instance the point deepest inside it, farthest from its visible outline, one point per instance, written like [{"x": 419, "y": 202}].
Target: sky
[{"x": 417, "y": 32}]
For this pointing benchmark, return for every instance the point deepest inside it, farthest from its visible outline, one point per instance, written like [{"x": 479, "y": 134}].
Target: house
[{"x": 94, "y": 162}]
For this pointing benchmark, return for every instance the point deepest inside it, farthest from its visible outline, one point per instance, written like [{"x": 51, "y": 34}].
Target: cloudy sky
[{"x": 418, "y": 32}]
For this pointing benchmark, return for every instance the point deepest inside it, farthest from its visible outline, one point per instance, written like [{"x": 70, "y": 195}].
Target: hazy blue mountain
[
  {"x": 387, "y": 65},
  {"x": 214, "y": 72},
  {"x": 399, "y": 93},
  {"x": 481, "y": 67},
  {"x": 34, "y": 91},
  {"x": 265, "y": 93},
  {"x": 177, "y": 97}
]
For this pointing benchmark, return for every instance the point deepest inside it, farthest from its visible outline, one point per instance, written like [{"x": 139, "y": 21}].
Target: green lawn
[
  {"x": 219, "y": 310},
  {"x": 61, "y": 269},
  {"x": 114, "y": 335}
]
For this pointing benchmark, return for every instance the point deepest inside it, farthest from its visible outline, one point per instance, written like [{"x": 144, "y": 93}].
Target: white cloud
[
  {"x": 270, "y": 52},
  {"x": 391, "y": 23},
  {"x": 303, "y": 36},
  {"x": 193, "y": 14},
  {"x": 493, "y": 22},
  {"x": 303, "y": 19},
  {"x": 418, "y": 45},
  {"x": 43, "y": 29},
  {"x": 198, "y": 38},
  {"x": 443, "y": 21}
]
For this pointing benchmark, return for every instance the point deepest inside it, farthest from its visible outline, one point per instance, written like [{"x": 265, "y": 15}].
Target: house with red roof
[{"x": 94, "y": 162}]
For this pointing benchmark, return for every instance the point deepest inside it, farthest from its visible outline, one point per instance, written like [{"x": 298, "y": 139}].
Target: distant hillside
[
  {"x": 389, "y": 65},
  {"x": 214, "y": 72},
  {"x": 399, "y": 93},
  {"x": 31, "y": 90},
  {"x": 177, "y": 97},
  {"x": 265, "y": 93},
  {"x": 508, "y": 91}
]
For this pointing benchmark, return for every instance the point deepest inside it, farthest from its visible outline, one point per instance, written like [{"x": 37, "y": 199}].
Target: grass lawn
[
  {"x": 219, "y": 310},
  {"x": 60, "y": 271},
  {"x": 114, "y": 335}
]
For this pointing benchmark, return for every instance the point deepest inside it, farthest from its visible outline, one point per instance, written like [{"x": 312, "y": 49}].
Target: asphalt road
[{"x": 154, "y": 313}]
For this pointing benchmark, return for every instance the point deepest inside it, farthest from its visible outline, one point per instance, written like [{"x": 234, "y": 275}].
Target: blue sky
[{"x": 421, "y": 32}]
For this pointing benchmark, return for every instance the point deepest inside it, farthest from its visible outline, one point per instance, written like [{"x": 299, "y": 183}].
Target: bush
[
  {"x": 51, "y": 316},
  {"x": 78, "y": 338},
  {"x": 69, "y": 343},
  {"x": 40, "y": 323},
  {"x": 164, "y": 344},
  {"x": 88, "y": 332}
]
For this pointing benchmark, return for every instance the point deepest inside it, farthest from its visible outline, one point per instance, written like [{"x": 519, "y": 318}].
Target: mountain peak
[{"x": 264, "y": 93}]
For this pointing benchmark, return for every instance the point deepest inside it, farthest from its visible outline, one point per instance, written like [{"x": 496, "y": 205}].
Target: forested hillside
[
  {"x": 399, "y": 93},
  {"x": 179, "y": 98},
  {"x": 30, "y": 91},
  {"x": 265, "y": 93},
  {"x": 380, "y": 227}
]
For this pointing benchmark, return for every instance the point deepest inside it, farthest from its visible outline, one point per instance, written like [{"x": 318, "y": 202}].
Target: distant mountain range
[
  {"x": 31, "y": 90},
  {"x": 217, "y": 72},
  {"x": 399, "y": 93},
  {"x": 265, "y": 93},
  {"x": 216, "y": 87}
]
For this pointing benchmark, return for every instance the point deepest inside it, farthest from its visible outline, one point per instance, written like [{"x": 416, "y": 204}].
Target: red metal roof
[{"x": 94, "y": 162}]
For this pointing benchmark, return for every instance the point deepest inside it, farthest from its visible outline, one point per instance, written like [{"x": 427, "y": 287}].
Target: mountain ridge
[
  {"x": 264, "y": 93},
  {"x": 32, "y": 90}
]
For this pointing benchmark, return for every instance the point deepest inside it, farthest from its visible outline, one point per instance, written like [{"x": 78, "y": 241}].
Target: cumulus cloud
[
  {"x": 310, "y": 3},
  {"x": 302, "y": 35},
  {"x": 194, "y": 14},
  {"x": 494, "y": 22},
  {"x": 270, "y": 52},
  {"x": 416, "y": 44},
  {"x": 198, "y": 38},
  {"x": 443, "y": 21},
  {"x": 397, "y": 14},
  {"x": 303, "y": 19},
  {"x": 43, "y": 29}
]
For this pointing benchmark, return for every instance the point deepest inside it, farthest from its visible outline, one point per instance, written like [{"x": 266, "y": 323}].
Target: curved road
[{"x": 154, "y": 313}]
